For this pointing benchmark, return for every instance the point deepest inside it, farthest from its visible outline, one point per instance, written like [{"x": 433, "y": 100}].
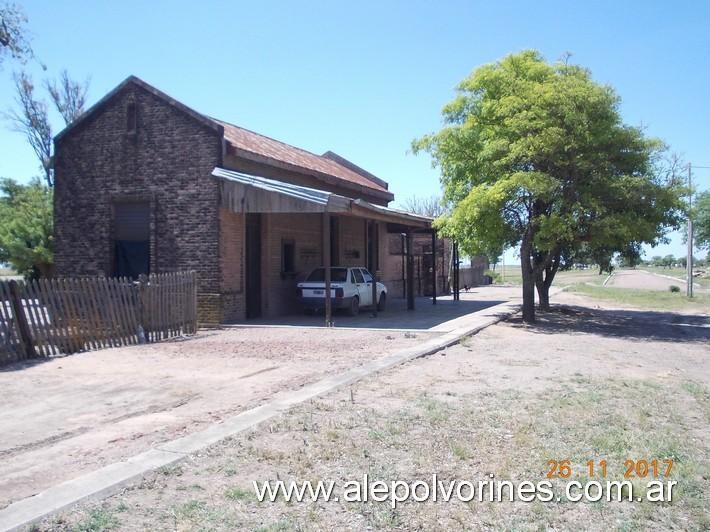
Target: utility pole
[
  {"x": 502, "y": 268},
  {"x": 689, "y": 265}
]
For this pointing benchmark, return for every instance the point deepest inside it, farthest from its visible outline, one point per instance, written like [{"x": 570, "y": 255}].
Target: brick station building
[{"x": 145, "y": 184}]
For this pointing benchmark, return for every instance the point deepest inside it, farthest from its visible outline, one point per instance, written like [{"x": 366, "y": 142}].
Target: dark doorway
[
  {"x": 253, "y": 265},
  {"x": 131, "y": 239}
]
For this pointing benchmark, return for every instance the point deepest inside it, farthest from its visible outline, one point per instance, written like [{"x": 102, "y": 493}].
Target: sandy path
[
  {"x": 70, "y": 415},
  {"x": 643, "y": 280},
  {"x": 499, "y": 386}
]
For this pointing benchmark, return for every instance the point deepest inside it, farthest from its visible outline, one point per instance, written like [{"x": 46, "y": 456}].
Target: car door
[
  {"x": 366, "y": 291},
  {"x": 358, "y": 283}
]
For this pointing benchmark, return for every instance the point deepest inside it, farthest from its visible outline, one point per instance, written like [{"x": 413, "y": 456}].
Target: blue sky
[{"x": 364, "y": 78}]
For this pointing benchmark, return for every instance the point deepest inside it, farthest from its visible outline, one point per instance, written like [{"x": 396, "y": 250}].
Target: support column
[
  {"x": 326, "y": 266},
  {"x": 433, "y": 267},
  {"x": 457, "y": 289},
  {"x": 410, "y": 272},
  {"x": 373, "y": 271},
  {"x": 403, "y": 237}
]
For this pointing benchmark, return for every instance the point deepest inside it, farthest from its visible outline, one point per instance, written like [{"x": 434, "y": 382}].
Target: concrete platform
[{"x": 425, "y": 316}]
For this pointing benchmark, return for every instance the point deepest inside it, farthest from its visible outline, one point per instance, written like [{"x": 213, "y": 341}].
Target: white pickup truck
[{"x": 350, "y": 289}]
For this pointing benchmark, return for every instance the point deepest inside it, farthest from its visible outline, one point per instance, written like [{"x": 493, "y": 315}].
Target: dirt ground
[
  {"x": 71, "y": 415},
  {"x": 588, "y": 381}
]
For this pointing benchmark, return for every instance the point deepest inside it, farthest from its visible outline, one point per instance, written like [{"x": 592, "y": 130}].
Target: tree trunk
[
  {"x": 544, "y": 274},
  {"x": 543, "y": 291},
  {"x": 528, "y": 282}
]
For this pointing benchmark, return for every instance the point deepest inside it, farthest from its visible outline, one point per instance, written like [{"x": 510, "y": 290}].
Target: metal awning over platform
[{"x": 255, "y": 194}]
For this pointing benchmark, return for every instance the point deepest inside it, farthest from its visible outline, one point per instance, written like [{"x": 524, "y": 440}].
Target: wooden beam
[
  {"x": 433, "y": 267},
  {"x": 375, "y": 252},
  {"x": 456, "y": 270},
  {"x": 410, "y": 272},
  {"x": 326, "y": 266}
]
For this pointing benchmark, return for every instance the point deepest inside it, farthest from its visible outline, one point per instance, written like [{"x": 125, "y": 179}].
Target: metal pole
[
  {"x": 502, "y": 268},
  {"x": 456, "y": 270},
  {"x": 375, "y": 251},
  {"x": 433, "y": 267},
  {"x": 689, "y": 265},
  {"x": 402, "y": 237},
  {"x": 410, "y": 272},
  {"x": 326, "y": 269}
]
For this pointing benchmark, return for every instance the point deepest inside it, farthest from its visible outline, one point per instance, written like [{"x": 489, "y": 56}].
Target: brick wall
[
  {"x": 392, "y": 264},
  {"x": 352, "y": 241},
  {"x": 279, "y": 291},
  {"x": 231, "y": 257},
  {"x": 167, "y": 162}
]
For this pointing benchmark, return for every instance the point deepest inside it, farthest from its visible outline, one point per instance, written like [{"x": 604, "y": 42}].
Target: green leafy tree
[
  {"x": 26, "y": 227},
  {"x": 668, "y": 261},
  {"x": 701, "y": 220},
  {"x": 631, "y": 256},
  {"x": 536, "y": 155}
]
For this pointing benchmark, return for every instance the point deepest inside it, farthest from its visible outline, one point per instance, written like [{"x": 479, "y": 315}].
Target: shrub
[
  {"x": 495, "y": 276},
  {"x": 674, "y": 288}
]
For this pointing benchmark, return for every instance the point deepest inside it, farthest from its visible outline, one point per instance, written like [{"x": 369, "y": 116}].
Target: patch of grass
[
  {"x": 170, "y": 470},
  {"x": 279, "y": 526},
  {"x": 652, "y": 299},
  {"x": 236, "y": 493},
  {"x": 701, "y": 394},
  {"x": 506, "y": 431},
  {"x": 511, "y": 274},
  {"x": 96, "y": 521}
]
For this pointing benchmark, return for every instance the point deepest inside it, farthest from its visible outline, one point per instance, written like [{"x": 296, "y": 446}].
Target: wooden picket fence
[{"x": 52, "y": 316}]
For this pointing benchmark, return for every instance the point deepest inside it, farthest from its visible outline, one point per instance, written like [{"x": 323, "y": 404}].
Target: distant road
[{"x": 643, "y": 280}]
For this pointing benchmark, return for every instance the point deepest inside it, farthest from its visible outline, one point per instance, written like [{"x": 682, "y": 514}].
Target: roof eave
[{"x": 249, "y": 155}]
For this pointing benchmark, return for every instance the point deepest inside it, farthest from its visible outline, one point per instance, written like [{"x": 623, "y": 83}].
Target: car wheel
[
  {"x": 382, "y": 303},
  {"x": 354, "y": 306}
]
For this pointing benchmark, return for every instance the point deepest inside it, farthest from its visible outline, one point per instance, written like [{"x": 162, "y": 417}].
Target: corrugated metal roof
[
  {"x": 295, "y": 191},
  {"x": 325, "y": 201}
]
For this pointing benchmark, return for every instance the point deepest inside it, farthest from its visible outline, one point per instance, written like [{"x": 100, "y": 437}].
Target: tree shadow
[{"x": 663, "y": 326}]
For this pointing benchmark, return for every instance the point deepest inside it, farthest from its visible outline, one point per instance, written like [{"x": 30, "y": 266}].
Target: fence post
[
  {"x": 22, "y": 326},
  {"x": 142, "y": 286}
]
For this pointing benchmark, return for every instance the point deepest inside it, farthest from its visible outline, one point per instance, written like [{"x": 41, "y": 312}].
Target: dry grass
[
  {"x": 583, "y": 383},
  {"x": 457, "y": 436}
]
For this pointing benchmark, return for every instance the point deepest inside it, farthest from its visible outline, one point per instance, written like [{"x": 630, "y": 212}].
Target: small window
[
  {"x": 358, "y": 277},
  {"x": 288, "y": 257},
  {"x": 131, "y": 119},
  {"x": 367, "y": 275}
]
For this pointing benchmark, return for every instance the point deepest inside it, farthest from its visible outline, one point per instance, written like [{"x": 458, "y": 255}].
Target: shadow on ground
[
  {"x": 396, "y": 316},
  {"x": 641, "y": 324}
]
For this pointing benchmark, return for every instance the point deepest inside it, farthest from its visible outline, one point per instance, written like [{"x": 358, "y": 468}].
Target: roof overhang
[{"x": 245, "y": 193}]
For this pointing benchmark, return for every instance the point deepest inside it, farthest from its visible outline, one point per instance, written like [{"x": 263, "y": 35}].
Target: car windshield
[{"x": 337, "y": 275}]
